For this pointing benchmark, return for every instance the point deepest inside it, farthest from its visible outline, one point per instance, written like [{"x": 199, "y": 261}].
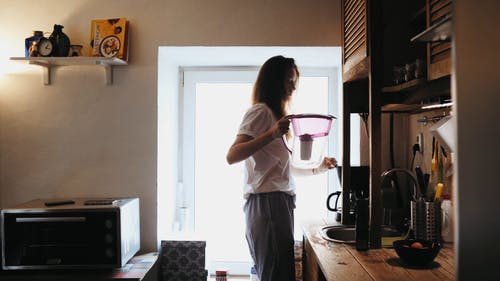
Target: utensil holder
[{"x": 426, "y": 220}]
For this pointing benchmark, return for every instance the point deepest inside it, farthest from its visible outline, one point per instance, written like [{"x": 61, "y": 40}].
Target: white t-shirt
[{"x": 268, "y": 169}]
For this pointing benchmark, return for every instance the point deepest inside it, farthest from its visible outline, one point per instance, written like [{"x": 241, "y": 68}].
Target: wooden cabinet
[
  {"x": 354, "y": 34},
  {"x": 310, "y": 265},
  {"x": 381, "y": 39},
  {"x": 362, "y": 85},
  {"x": 439, "y": 46}
]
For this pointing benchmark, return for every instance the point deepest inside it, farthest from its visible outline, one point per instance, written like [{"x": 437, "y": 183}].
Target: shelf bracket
[
  {"x": 46, "y": 74},
  {"x": 47, "y": 69},
  {"x": 108, "y": 70}
]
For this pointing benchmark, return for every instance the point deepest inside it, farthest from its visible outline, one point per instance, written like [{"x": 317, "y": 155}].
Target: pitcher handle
[
  {"x": 285, "y": 141},
  {"x": 288, "y": 147}
]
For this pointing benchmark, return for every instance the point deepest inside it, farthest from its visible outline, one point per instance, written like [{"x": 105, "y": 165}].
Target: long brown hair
[{"x": 269, "y": 88}]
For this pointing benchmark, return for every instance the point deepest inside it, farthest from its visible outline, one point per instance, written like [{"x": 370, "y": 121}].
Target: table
[{"x": 139, "y": 268}]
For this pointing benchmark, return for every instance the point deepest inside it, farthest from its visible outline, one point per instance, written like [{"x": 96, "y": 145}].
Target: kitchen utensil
[
  {"x": 425, "y": 219},
  {"x": 310, "y": 133},
  {"x": 434, "y": 161},
  {"x": 427, "y": 178},
  {"x": 439, "y": 191},
  {"x": 421, "y": 181}
]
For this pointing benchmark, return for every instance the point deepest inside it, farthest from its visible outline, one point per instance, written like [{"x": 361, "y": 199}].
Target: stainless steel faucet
[{"x": 416, "y": 188}]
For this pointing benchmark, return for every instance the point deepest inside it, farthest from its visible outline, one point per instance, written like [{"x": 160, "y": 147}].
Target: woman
[{"x": 269, "y": 187}]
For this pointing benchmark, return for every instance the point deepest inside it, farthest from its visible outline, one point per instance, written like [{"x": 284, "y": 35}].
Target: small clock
[{"x": 45, "y": 47}]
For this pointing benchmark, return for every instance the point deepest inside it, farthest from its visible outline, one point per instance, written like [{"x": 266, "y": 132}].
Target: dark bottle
[
  {"x": 61, "y": 42},
  {"x": 362, "y": 222}
]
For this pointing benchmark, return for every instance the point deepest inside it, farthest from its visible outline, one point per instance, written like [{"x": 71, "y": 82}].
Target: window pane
[
  {"x": 311, "y": 96},
  {"x": 219, "y": 202}
]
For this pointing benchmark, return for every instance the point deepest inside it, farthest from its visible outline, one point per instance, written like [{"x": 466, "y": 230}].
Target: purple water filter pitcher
[{"x": 310, "y": 138}]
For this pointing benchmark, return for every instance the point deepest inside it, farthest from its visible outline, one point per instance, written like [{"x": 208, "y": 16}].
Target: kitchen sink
[
  {"x": 347, "y": 233},
  {"x": 339, "y": 233}
]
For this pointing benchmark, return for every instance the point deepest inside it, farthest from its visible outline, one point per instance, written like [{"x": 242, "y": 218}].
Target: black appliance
[
  {"x": 358, "y": 189},
  {"x": 76, "y": 233}
]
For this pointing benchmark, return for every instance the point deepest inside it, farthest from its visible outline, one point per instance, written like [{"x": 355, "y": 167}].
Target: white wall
[{"x": 80, "y": 137}]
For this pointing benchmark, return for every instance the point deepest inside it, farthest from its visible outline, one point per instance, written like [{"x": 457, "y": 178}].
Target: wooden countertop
[{"x": 343, "y": 262}]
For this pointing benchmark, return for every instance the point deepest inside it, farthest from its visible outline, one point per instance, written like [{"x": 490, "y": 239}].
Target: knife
[{"x": 421, "y": 181}]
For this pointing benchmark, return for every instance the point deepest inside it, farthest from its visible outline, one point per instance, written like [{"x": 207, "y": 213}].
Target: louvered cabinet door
[
  {"x": 354, "y": 39},
  {"x": 439, "y": 53}
]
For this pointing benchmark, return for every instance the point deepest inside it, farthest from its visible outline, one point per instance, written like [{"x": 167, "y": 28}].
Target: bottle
[
  {"x": 61, "y": 42},
  {"x": 362, "y": 221},
  {"x": 29, "y": 41},
  {"x": 447, "y": 223}
]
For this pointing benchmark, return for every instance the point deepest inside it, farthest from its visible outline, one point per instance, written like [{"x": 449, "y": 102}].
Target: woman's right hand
[
  {"x": 245, "y": 145},
  {"x": 281, "y": 127}
]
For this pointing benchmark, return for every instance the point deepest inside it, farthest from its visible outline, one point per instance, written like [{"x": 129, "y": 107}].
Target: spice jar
[{"x": 75, "y": 50}]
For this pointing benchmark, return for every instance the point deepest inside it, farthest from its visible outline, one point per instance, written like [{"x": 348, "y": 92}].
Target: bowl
[{"x": 417, "y": 252}]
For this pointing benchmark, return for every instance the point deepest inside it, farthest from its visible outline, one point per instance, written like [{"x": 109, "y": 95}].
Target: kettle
[{"x": 310, "y": 138}]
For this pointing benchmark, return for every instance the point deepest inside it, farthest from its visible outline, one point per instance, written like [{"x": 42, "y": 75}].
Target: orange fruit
[{"x": 417, "y": 245}]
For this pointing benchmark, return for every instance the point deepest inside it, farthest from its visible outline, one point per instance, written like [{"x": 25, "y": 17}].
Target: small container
[
  {"x": 447, "y": 227},
  {"x": 417, "y": 256},
  {"x": 409, "y": 72},
  {"x": 419, "y": 68},
  {"x": 28, "y": 42},
  {"x": 221, "y": 275},
  {"x": 398, "y": 74},
  {"x": 426, "y": 220},
  {"x": 75, "y": 50}
]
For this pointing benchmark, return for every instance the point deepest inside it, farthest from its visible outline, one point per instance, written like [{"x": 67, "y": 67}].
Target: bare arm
[
  {"x": 327, "y": 164},
  {"x": 245, "y": 146}
]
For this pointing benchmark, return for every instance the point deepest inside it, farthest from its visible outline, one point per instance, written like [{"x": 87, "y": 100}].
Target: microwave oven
[{"x": 74, "y": 233}]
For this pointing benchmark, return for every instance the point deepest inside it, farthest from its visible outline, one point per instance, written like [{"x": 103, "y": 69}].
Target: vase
[{"x": 61, "y": 41}]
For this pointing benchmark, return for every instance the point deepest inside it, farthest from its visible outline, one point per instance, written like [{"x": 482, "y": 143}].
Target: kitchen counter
[
  {"x": 140, "y": 268},
  {"x": 330, "y": 261}
]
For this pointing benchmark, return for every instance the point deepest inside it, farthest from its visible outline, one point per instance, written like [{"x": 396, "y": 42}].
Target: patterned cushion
[{"x": 183, "y": 260}]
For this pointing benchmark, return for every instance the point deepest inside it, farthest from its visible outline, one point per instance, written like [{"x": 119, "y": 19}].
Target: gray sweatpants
[{"x": 269, "y": 233}]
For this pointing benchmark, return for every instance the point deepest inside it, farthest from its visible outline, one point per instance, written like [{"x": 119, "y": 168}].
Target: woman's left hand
[{"x": 327, "y": 164}]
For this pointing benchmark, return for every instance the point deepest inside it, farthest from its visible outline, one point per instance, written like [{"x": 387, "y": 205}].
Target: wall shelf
[
  {"x": 411, "y": 96},
  {"x": 48, "y": 62},
  {"x": 406, "y": 86},
  {"x": 440, "y": 31}
]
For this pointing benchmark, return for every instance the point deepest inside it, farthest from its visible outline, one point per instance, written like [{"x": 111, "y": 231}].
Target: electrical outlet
[{"x": 420, "y": 142}]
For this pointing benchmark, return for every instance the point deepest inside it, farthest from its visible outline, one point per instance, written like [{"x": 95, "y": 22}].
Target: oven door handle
[{"x": 51, "y": 219}]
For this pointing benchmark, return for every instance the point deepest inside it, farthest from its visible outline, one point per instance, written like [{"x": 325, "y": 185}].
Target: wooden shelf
[
  {"x": 440, "y": 31},
  {"x": 48, "y": 62},
  {"x": 406, "y": 86},
  {"x": 412, "y": 95}
]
